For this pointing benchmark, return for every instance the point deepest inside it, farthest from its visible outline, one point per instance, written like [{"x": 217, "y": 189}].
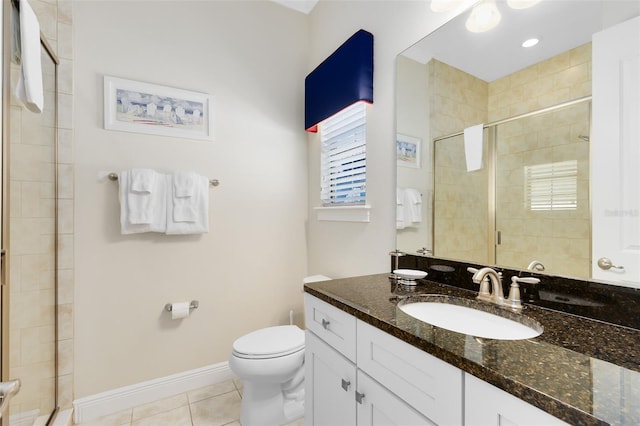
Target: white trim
[
  {"x": 358, "y": 213},
  {"x": 113, "y": 401}
]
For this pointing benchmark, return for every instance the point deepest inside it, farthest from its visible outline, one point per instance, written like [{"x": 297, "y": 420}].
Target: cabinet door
[
  {"x": 486, "y": 405},
  {"x": 378, "y": 406},
  {"x": 330, "y": 381},
  {"x": 428, "y": 384}
]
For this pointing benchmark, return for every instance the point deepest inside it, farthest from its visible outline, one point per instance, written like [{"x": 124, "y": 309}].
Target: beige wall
[
  {"x": 247, "y": 271},
  {"x": 343, "y": 249}
]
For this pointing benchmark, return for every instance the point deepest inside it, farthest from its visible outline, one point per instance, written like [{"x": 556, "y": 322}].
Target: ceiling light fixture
[
  {"x": 521, "y": 4},
  {"x": 484, "y": 17},
  {"x": 444, "y": 5},
  {"x": 530, "y": 42}
]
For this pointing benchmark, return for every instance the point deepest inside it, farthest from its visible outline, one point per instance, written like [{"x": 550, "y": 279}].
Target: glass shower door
[
  {"x": 29, "y": 238},
  {"x": 542, "y": 191}
]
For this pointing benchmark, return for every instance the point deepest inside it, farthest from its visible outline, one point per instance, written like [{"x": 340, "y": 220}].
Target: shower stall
[
  {"x": 29, "y": 239},
  {"x": 530, "y": 200}
]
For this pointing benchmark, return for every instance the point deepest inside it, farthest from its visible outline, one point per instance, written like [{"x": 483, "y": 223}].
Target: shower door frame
[{"x": 5, "y": 285}]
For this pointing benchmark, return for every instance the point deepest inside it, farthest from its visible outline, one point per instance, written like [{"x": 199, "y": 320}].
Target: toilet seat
[{"x": 271, "y": 342}]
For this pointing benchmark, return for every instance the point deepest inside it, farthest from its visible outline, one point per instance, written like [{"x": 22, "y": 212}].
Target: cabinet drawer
[
  {"x": 332, "y": 325},
  {"x": 431, "y": 386}
]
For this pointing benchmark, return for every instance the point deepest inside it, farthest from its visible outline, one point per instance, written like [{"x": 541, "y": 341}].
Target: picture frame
[
  {"x": 408, "y": 151},
  {"x": 139, "y": 107}
]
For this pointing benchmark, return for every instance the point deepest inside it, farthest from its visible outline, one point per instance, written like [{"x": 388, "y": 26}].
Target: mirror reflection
[{"x": 526, "y": 112}]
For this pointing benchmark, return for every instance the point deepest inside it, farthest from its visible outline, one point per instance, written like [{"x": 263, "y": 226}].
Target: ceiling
[
  {"x": 304, "y": 6},
  {"x": 560, "y": 26}
]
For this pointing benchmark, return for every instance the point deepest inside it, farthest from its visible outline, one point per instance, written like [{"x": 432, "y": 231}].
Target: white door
[{"x": 616, "y": 154}]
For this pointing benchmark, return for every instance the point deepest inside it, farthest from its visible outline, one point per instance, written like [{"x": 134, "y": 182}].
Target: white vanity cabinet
[
  {"x": 486, "y": 405},
  {"x": 389, "y": 381}
]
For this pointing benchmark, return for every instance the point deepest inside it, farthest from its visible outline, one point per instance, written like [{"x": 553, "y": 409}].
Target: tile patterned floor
[{"x": 214, "y": 405}]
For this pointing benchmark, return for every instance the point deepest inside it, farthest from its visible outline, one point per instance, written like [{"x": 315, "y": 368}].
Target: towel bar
[{"x": 114, "y": 177}]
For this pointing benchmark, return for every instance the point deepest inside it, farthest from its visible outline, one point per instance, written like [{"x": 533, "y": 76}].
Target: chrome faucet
[
  {"x": 535, "y": 265},
  {"x": 496, "y": 296}
]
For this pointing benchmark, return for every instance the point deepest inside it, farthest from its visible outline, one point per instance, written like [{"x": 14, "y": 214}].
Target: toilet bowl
[{"x": 270, "y": 363}]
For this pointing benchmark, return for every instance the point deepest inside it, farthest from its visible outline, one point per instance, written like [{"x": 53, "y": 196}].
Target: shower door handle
[
  {"x": 3, "y": 255},
  {"x": 7, "y": 391}
]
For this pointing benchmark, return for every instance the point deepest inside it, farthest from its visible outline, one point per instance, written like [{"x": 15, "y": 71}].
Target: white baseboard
[{"x": 113, "y": 401}]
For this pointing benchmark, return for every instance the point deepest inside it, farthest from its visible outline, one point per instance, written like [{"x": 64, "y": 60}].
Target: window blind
[
  {"x": 552, "y": 186},
  {"x": 343, "y": 159}
]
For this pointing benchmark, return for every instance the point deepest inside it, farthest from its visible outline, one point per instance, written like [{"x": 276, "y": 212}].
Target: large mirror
[{"x": 493, "y": 146}]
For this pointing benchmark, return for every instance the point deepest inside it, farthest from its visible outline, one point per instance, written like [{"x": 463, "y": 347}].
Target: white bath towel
[
  {"x": 150, "y": 217},
  {"x": 188, "y": 215},
  {"x": 30, "y": 90},
  {"x": 473, "y": 144}
]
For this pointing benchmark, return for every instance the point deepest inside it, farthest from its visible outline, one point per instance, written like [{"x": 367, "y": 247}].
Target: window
[
  {"x": 551, "y": 186},
  {"x": 343, "y": 159}
]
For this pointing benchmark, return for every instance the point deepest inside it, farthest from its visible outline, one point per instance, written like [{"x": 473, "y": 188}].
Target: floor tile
[
  {"x": 160, "y": 406},
  {"x": 180, "y": 416},
  {"x": 219, "y": 410},
  {"x": 116, "y": 419},
  {"x": 211, "y": 391}
]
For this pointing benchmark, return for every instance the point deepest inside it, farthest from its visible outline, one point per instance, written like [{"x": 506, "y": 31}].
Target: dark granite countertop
[{"x": 583, "y": 371}]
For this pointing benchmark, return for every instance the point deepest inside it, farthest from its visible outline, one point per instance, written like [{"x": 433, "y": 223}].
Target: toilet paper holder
[{"x": 193, "y": 305}]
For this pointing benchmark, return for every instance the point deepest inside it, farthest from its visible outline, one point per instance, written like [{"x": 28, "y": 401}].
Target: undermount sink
[{"x": 470, "y": 317}]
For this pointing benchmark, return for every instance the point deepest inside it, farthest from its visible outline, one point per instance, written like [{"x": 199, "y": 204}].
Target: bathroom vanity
[{"x": 368, "y": 362}]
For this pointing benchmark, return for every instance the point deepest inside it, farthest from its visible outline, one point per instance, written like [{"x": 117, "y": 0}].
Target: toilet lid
[{"x": 270, "y": 342}]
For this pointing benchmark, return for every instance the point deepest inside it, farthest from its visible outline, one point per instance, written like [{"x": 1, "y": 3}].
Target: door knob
[
  {"x": 346, "y": 384},
  {"x": 605, "y": 264},
  {"x": 325, "y": 324}
]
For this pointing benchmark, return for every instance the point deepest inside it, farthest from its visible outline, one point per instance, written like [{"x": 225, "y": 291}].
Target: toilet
[{"x": 270, "y": 363}]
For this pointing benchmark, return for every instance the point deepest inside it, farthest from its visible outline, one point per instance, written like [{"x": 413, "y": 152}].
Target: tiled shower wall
[
  {"x": 459, "y": 100},
  {"x": 55, "y": 18}
]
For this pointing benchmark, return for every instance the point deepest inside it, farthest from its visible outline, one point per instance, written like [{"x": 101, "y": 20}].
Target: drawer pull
[
  {"x": 359, "y": 397},
  {"x": 325, "y": 324},
  {"x": 346, "y": 384}
]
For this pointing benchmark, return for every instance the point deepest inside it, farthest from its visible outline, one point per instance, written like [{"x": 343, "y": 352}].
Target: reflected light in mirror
[
  {"x": 530, "y": 42},
  {"x": 484, "y": 17},
  {"x": 521, "y": 4}
]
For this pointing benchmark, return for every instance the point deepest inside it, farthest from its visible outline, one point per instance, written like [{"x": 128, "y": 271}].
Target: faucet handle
[
  {"x": 526, "y": 280},
  {"x": 514, "y": 294},
  {"x": 472, "y": 270}
]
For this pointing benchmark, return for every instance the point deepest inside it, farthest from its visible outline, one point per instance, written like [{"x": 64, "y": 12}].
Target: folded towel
[
  {"x": 188, "y": 215},
  {"x": 184, "y": 184},
  {"x": 414, "y": 203},
  {"x": 142, "y": 180},
  {"x": 29, "y": 89},
  {"x": 473, "y": 138},
  {"x": 400, "y": 209},
  {"x": 142, "y": 212}
]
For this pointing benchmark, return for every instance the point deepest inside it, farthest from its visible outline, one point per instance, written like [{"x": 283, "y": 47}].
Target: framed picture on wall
[
  {"x": 134, "y": 106},
  {"x": 408, "y": 151}
]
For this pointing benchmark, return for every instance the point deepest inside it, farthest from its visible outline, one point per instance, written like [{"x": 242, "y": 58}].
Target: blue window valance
[{"x": 342, "y": 79}]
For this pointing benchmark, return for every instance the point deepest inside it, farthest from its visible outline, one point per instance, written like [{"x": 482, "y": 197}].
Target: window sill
[{"x": 343, "y": 213}]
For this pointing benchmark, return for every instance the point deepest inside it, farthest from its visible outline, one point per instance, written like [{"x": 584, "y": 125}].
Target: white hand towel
[
  {"x": 473, "y": 141},
  {"x": 400, "y": 209},
  {"x": 188, "y": 215},
  {"x": 29, "y": 89},
  {"x": 414, "y": 202},
  {"x": 142, "y": 180},
  {"x": 184, "y": 184},
  {"x": 155, "y": 213}
]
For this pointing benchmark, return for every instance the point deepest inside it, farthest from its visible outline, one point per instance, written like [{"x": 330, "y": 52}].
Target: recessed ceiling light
[{"x": 530, "y": 42}]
